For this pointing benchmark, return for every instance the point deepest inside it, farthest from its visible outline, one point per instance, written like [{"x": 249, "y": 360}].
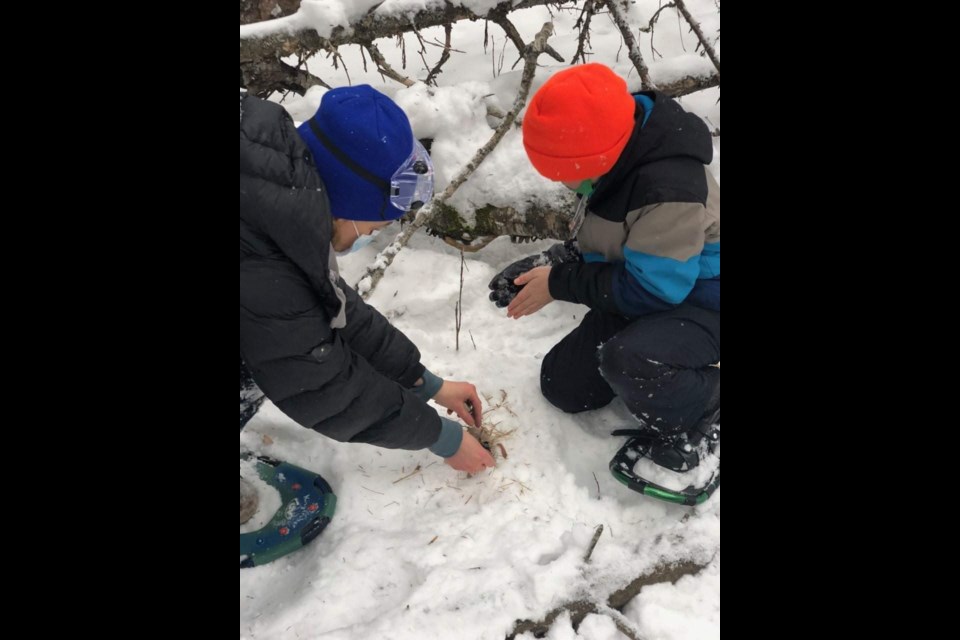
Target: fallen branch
[{"x": 581, "y": 609}]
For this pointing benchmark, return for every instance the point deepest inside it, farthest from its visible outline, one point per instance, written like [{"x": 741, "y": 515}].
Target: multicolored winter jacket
[{"x": 651, "y": 235}]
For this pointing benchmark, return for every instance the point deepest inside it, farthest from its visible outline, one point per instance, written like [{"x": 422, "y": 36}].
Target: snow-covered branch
[{"x": 264, "y": 45}]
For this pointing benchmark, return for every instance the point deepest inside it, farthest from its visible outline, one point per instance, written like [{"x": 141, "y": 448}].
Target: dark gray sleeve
[{"x": 384, "y": 346}]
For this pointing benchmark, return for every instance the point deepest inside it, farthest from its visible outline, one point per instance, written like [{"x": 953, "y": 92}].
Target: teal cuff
[
  {"x": 430, "y": 387},
  {"x": 451, "y": 436}
]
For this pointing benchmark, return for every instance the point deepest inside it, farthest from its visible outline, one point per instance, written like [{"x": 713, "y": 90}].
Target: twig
[
  {"x": 681, "y": 5},
  {"x": 440, "y": 45},
  {"x": 522, "y": 48},
  {"x": 512, "y": 33},
  {"x": 620, "y": 18},
  {"x": 432, "y": 76},
  {"x": 463, "y": 263},
  {"x": 593, "y": 543},
  {"x": 624, "y": 625},
  {"x": 656, "y": 16},
  {"x": 683, "y": 45},
  {"x": 503, "y": 56},
  {"x": 384, "y": 67},
  {"x": 649, "y": 28},
  {"x": 402, "y": 43},
  {"x": 301, "y": 79},
  {"x": 583, "y": 23},
  {"x": 337, "y": 57},
  {"x": 410, "y": 475},
  {"x": 423, "y": 48}
]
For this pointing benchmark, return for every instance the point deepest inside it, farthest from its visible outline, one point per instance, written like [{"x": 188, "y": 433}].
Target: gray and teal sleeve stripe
[
  {"x": 668, "y": 279},
  {"x": 664, "y": 248}
]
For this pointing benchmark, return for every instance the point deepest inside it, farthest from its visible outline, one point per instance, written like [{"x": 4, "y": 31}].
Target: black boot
[
  {"x": 682, "y": 453},
  {"x": 679, "y": 454}
]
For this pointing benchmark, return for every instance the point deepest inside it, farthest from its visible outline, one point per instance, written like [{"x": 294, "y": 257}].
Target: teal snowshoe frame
[
  {"x": 622, "y": 467},
  {"x": 307, "y": 506}
]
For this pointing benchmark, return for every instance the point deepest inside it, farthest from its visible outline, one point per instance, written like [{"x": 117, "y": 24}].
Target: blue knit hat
[{"x": 359, "y": 138}]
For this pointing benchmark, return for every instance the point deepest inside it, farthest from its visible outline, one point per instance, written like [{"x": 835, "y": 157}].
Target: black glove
[{"x": 503, "y": 290}]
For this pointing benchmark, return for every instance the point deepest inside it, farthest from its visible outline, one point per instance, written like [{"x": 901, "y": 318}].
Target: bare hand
[
  {"x": 461, "y": 398},
  {"x": 534, "y": 295},
  {"x": 471, "y": 457}
]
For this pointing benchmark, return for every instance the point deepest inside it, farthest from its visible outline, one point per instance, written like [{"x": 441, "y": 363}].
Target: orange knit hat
[{"x": 578, "y": 123}]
